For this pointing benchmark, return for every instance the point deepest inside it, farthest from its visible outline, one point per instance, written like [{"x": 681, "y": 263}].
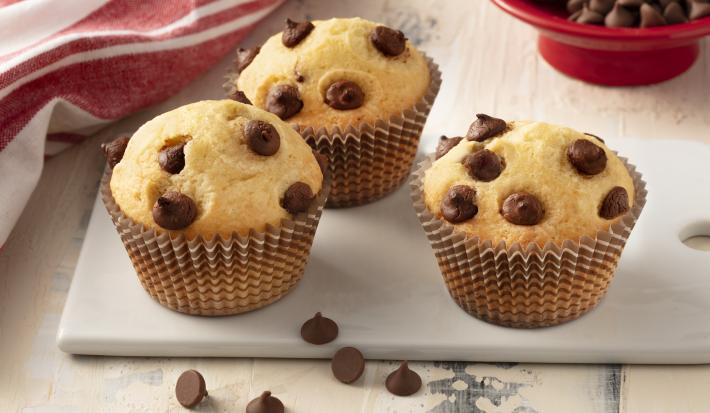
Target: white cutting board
[{"x": 372, "y": 270}]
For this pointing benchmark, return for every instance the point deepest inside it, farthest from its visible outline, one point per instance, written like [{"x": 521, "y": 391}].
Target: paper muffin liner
[
  {"x": 370, "y": 160},
  {"x": 218, "y": 276},
  {"x": 526, "y": 287}
]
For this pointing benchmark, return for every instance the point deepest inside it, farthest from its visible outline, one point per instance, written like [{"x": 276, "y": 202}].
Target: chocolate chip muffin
[
  {"x": 357, "y": 91},
  {"x": 525, "y": 182},
  {"x": 217, "y": 203},
  {"x": 527, "y": 219}
]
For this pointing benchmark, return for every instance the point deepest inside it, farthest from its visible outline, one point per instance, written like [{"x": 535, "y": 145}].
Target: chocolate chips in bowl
[{"x": 636, "y": 13}]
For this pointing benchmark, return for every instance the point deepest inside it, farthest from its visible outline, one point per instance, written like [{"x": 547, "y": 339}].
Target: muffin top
[
  {"x": 527, "y": 182},
  {"x": 215, "y": 167},
  {"x": 334, "y": 72}
]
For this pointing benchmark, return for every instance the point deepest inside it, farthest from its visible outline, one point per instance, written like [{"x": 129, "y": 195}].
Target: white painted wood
[{"x": 490, "y": 65}]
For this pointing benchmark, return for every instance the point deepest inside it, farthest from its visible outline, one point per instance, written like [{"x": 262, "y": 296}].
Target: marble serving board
[{"x": 372, "y": 270}]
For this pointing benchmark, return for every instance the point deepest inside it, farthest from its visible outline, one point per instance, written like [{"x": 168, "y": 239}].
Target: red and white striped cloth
[{"x": 67, "y": 68}]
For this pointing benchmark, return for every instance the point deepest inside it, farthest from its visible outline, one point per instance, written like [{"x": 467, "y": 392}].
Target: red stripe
[
  {"x": 93, "y": 43},
  {"x": 113, "y": 87}
]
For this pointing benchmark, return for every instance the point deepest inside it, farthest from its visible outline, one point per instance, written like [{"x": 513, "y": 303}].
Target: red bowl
[{"x": 610, "y": 56}]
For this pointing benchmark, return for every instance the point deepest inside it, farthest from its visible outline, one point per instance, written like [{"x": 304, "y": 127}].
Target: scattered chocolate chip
[
  {"x": 190, "y": 388},
  {"x": 589, "y": 16},
  {"x": 522, "y": 208},
  {"x": 240, "y": 97},
  {"x": 483, "y": 165},
  {"x": 619, "y": 17},
  {"x": 344, "y": 95},
  {"x": 586, "y": 157},
  {"x": 485, "y": 127},
  {"x": 262, "y": 137},
  {"x": 298, "y": 198},
  {"x": 322, "y": 161},
  {"x": 245, "y": 57},
  {"x": 601, "y": 6},
  {"x": 172, "y": 158},
  {"x": 319, "y": 330},
  {"x": 174, "y": 211},
  {"x": 615, "y": 203},
  {"x": 674, "y": 14},
  {"x": 459, "y": 204},
  {"x": 295, "y": 32},
  {"x": 446, "y": 144},
  {"x": 266, "y": 403},
  {"x": 113, "y": 151},
  {"x": 284, "y": 101},
  {"x": 388, "y": 41},
  {"x": 650, "y": 17},
  {"x": 595, "y": 137},
  {"x": 699, "y": 9},
  {"x": 403, "y": 381},
  {"x": 348, "y": 364}
]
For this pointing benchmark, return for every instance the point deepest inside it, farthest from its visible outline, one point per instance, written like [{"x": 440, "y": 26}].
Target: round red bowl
[{"x": 610, "y": 56}]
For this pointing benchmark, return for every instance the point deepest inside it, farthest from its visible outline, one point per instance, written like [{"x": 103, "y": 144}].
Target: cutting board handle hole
[{"x": 696, "y": 236}]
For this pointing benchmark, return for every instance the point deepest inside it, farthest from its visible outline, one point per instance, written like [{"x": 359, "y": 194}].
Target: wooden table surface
[{"x": 490, "y": 65}]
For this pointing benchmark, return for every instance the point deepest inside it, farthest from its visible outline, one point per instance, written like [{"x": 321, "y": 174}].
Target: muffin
[
  {"x": 217, "y": 203},
  {"x": 527, "y": 219},
  {"x": 358, "y": 92}
]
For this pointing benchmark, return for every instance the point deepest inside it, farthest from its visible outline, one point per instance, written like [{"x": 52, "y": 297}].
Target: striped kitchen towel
[{"x": 67, "y": 68}]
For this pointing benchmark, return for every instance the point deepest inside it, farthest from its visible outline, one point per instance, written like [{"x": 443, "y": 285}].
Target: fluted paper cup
[
  {"x": 526, "y": 286},
  {"x": 221, "y": 275},
  {"x": 368, "y": 161}
]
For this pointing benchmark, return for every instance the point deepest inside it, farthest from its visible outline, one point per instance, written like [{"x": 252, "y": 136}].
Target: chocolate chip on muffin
[
  {"x": 459, "y": 204},
  {"x": 172, "y": 158},
  {"x": 485, "y": 127},
  {"x": 446, "y": 144},
  {"x": 615, "y": 203},
  {"x": 174, "y": 211},
  {"x": 295, "y": 32},
  {"x": 240, "y": 97},
  {"x": 298, "y": 198},
  {"x": 244, "y": 57},
  {"x": 344, "y": 95},
  {"x": 388, "y": 41},
  {"x": 522, "y": 208},
  {"x": 262, "y": 137},
  {"x": 113, "y": 151},
  {"x": 483, "y": 165},
  {"x": 586, "y": 157},
  {"x": 284, "y": 101}
]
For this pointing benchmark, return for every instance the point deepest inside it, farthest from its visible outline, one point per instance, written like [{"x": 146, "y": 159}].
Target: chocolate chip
[
  {"x": 190, "y": 388},
  {"x": 319, "y": 330},
  {"x": 574, "y": 6},
  {"x": 601, "y": 6},
  {"x": 403, "y": 381},
  {"x": 631, "y": 3},
  {"x": 174, "y": 211},
  {"x": 245, "y": 57},
  {"x": 485, "y": 127},
  {"x": 240, "y": 97},
  {"x": 615, "y": 203},
  {"x": 172, "y": 158},
  {"x": 299, "y": 77},
  {"x": 483, "y": 165},
  {"x": 388, "y": 41},
  {"x": 699, "y": 9},
  {"x": 322, "y": 161},
  {"x": 113, "y": 151},
  {"x": 586, "y": 157},
  {"x": 266, "y": 403},
  {"x": 298, "y": 198},
  {"x": 522, "y": 208},
  {"x": 650, "y": 17},
  {"x": 589, "y": 16},
  {"x": 459, "y": 204},
  {"x": 262, "y": 137},
  {"x": 674, "y": 14},
  {"x": 295, "y": 32},
  {"x": 594, "y": 136},
  {"x": 344, "y": 95},
  {"x": 348, "y": 364},
  {"x": 284, "y": 101},
  {"x": 446, "y": 144},
  {"x": 619, "y": 17}
]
